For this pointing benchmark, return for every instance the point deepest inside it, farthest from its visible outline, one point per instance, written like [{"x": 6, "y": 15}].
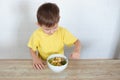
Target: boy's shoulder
[
  {"x": 62, "y": 28},
  {"x": 37, "y": 31}
]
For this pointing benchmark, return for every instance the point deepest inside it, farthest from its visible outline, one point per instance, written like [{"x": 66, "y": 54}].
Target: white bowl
[{"x": 57, "y": 68}]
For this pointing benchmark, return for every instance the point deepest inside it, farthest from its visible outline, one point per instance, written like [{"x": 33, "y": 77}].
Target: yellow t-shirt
[{"x": 50, "y": 44}]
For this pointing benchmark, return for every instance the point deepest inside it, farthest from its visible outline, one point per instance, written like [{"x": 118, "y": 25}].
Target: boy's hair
[{"x": 48, "y": 14}]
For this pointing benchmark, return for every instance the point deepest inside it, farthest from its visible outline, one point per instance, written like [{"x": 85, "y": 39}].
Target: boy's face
[{"x": 50, "y": 30}]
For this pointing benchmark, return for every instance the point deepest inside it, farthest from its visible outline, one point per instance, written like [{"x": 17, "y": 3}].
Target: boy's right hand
[{"x": 38, "y": 63}]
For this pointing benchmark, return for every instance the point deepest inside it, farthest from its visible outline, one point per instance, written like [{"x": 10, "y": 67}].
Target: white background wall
[{"x": 95, "y": 22}]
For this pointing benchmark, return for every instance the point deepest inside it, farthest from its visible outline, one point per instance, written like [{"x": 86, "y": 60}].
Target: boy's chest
[{"x": 51, "y": 43}]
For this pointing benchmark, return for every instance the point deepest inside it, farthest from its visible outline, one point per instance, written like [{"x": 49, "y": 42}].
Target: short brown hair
[{"x": 48, "y": 14}]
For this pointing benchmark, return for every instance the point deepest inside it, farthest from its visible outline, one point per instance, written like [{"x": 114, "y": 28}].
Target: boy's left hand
[{"x": 75, "y": 55}]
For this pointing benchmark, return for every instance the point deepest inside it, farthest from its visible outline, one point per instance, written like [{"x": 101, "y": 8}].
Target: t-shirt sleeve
[
  {"x": 69, "y": 38},
  {"x": 33, "y": 42}
]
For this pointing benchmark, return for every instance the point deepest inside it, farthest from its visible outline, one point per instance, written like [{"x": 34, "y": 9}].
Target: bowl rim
[{"x": 57, "y": 55}]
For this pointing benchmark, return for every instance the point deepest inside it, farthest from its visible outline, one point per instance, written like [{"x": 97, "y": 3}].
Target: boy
[{"x": 50, "y": 38}]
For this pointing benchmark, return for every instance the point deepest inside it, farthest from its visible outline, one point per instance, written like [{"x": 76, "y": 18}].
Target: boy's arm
[
  {"x": 77, "y": 46},
  {"x": 76, "y": 51},
  {"x": 37, "y": 62}
]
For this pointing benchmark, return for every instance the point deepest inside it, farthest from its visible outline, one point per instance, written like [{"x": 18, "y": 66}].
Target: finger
[
  {"x": 34, "y": 66},
  {"x": 44, "y": 63},
  {"x": 78, "y": 57},
  {"x": 42, "y": 66},
  {"x": 37, "y": 66},
  {"x": 70, "y": 56}
]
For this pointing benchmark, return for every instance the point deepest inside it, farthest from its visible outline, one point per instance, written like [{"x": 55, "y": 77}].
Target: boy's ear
[{"x": 59, "y": 19}]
